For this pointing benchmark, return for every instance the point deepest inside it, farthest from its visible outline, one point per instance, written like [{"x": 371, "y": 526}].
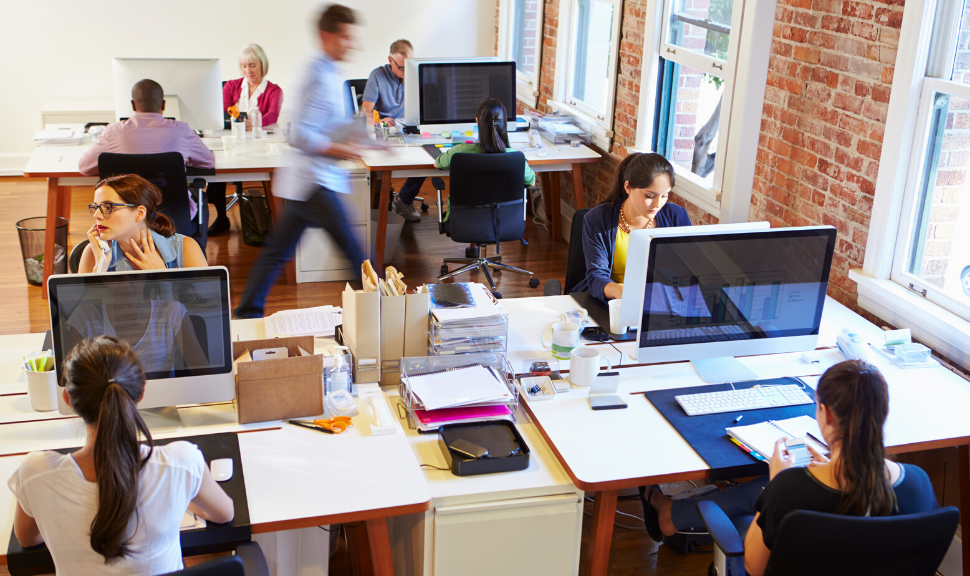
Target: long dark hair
[
  {"x": 639, "y": 170},
  {"x": 858, "y": 396},
  {"x": 104, "y": 380},
  {"x": 133, "y": 189},
  {"x": 493, "y": 132}
]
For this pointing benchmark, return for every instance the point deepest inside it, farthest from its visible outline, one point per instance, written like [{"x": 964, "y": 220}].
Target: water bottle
[
  {"x": 257, "y": 118},
  {"x": 340, "y": 375}
]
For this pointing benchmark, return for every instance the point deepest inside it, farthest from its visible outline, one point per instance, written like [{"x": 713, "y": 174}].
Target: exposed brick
[
  {"x": 829, "y": 169},
  {"x": 815, "y": 180},
  {"x": 870, "y": 149},
  {"x": 852, "y": 124},
  {"x": 803, "y": 157},
  {"x": 857, "y": 10},
  {"x": 865, "y": 31},
  {"x": 805, "y": 54},
  {"x": 850, "y": 161},
  {"x": 887, "y": 75},
  {"x": 889, "y": 17},
  {"x": 865, "y": 68},
  {"x": 846, "y": 102},
  {"x": 839, "y": 137},
  {"x": 880, "y": 93},
  {"x": 850, "y": 46}
]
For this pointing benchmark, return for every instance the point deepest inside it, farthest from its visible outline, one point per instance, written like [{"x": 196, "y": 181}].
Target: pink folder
[{"x": 450, "y": 414}]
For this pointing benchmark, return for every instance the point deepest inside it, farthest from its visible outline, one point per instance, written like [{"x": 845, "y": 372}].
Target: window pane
[
  {"x": 961, "y": 64},
  {"x": 524, "y": 47},
  {"x": 940, "y": 248},
  {"x": 591, "y": 70},
  {"x": 702, "y": 26},
  {"x": 689, "y": 107}
]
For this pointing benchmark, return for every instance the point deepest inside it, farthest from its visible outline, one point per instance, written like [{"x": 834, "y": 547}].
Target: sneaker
[{"x": 406, "y": 210}]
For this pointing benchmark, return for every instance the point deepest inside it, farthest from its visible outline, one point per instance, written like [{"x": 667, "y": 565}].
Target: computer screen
[
  {"x": 177, "y": 322},
  {"x": 450, "y": 93},
  {"x": 196, "y": 82}
]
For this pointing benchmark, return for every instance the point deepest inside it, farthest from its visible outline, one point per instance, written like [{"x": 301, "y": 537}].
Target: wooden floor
[{"x": 418, "y": 256}]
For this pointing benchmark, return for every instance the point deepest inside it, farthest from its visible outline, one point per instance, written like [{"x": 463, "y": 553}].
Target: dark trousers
[
  {"x": 216, "y": 195},
  {"x": 324, "y": 209},
  {"x": 410, "y": 189}
]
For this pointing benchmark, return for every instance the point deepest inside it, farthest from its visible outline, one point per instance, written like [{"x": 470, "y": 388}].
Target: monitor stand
[
  {"x": 161, "y": 420},
  {"x": 723, "y": 370}
]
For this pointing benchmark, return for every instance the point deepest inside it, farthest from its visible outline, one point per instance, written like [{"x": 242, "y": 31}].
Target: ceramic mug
[
  {"x": 565, "y": 337},
  {"x": 584, "y": 365}
]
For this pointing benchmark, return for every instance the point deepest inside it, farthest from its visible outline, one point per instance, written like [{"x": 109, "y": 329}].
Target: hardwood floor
[{"x": 418, "y": 256}]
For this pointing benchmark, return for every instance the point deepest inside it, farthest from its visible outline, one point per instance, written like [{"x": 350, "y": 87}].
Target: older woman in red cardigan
[{"x": 253, "y": 90}]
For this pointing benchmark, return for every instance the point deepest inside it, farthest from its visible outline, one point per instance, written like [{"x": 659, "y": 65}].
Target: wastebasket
[
  {"x": 257, "y": 220},
  {"x": 395, "y": 224},
  {"x": 31, "y": 232}
]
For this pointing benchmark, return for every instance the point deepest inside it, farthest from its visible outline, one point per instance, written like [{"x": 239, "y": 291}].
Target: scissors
[{"x": 337, "y": 424}]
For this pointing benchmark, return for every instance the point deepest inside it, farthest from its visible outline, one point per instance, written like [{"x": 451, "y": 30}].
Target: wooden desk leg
[
  {"x": 54, "y": 205},
  {"x": 604, "y": 513},
  {"x": 579, "y": 200},
  {"x": 382, "y": 203},
  {"x": 964, "y": 463},
  {"x": 361, "y": 563},
  {"x": 380, "y": 545}
]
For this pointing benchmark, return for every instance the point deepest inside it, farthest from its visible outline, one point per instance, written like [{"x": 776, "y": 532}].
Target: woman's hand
[
  {"x": 389, "y": 120},
  {"x": 780, "y": 460},
  {"x": 818, "y": 459},
  {"x": 249, "y": 125},
  {"x": 93, "y": 238},
  {"x": 146, "y": 257}
]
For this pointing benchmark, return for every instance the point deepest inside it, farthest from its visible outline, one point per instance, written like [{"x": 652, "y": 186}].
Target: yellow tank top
[{"x": 619, "y": 256}]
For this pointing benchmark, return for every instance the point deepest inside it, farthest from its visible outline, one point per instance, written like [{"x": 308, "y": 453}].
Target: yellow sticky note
[
  {"x": 439, "y": 145},
  {"x": 468, "y": 133}
]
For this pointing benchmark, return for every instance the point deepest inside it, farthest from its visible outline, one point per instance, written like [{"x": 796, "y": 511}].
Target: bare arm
[
  {"x": 88, "y": 260},
  {"x": 756, "y": 554},
  {"x": 192, "y": 255},
  {"x": 613, "y": 291},
  {"x": 212, "y": 503},
  {"x": 25, "y": 529},
  {"x": 368, "y": 107}
]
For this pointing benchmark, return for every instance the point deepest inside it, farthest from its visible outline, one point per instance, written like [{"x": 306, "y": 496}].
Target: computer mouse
[
  {"x": 542, "y": 154},
  {"x": 221, "y": 469},
  {"x": 95, "y": 130}
]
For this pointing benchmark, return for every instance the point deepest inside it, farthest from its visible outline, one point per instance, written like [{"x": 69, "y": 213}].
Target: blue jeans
[
  {"x": 324, "y": 209},
  {"x": 410, "y": 189}
]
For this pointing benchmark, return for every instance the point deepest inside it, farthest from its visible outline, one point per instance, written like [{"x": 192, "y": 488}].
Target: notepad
[
  {"x": 463, "y": 386},
  {"x": 760, "y": 438}
]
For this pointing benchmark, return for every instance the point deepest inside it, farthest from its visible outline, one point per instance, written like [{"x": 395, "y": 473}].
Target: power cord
[
  {"x": 644, "y": 527},
  {"x": 435, "y": 467}
]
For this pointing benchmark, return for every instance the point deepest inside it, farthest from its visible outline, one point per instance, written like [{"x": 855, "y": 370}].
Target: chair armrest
[
  {"x": 438, "y": 183},
  {"x": 253, "y": 559},
  {"x": 725, "y": 535},
  {"x": 198, "y": 186},
  {"x": 552, "y": 287}
]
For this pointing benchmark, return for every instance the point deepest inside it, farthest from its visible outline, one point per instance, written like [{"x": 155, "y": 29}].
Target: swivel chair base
[{"x": 483, "y": 263}]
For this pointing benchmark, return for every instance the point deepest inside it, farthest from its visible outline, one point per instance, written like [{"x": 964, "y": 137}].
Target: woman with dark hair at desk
[
  {"x": 115, "y": 505},
  {"x": 855, "y": 479},
  {"x": 637, "y": 201}
]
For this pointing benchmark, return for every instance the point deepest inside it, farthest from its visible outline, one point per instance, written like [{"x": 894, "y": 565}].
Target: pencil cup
[
  {"x": 565, "y": 337},
  {"x": 42, "y": 390},
  {"x": 615, "y": 317},
  {"x": 584, "y": 365}
]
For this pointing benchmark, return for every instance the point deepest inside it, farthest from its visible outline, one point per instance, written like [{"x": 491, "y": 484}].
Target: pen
[
  {"x": 812, "y": 436},
  {"x": 738, "y": 419},
  {"x": 310, "y": 426}
]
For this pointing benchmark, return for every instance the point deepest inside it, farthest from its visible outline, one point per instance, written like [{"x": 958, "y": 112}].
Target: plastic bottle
[
  {"x": 340, "y": 376},
  {"x": 257, "y": 121}
]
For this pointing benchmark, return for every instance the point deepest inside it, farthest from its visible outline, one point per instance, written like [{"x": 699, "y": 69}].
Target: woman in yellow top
[
  {"x": 637, "y": 201},
  {"x": 493, "y": 138}
]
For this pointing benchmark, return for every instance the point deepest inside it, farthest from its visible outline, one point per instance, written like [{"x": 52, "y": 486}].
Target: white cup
[
  {"x": 584, "y": 365},
  {"x": 615, "y": 326},
  {"x": 229, "y": 143},
  {"x": 565, "y": 337},
  {"x": 42, "y": 390},
  {"x": 239, "y": 130}
]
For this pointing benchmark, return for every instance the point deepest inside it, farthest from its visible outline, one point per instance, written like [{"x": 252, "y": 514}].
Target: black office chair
[
  {"x": 74, "y": 260},
  {"x": 247, "y": 561},
  {"x": 167, "y": 171},
  {"x": 811, "y": 543},
  {"x": 358, "y": 85},
  {"x": 575, "y": 259},
  {"x": 487, "y": 206}
]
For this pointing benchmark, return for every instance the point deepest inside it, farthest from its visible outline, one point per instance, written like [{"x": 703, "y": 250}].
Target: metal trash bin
[
  {"x": 31, "y": 232},
  {"x": 256, "y": 218}
]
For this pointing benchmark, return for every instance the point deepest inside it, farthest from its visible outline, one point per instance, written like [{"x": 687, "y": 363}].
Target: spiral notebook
[
  {"x": 760, "y": 438},
  {"x": 459, "y": 387}
]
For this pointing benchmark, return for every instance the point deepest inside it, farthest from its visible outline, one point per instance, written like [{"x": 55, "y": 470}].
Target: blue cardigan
[{"x": 599, "y": 241}]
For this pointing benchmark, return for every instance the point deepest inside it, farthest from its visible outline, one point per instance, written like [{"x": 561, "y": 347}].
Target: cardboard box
[{"x": 281, "y": 388}]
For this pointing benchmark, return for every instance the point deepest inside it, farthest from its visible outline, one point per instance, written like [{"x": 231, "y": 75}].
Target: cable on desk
[{"x": 435, "y": 467}]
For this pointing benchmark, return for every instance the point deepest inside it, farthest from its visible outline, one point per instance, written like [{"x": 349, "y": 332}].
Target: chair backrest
[
  {"x": 487, "y": 197},
  {"x": 167, "y": 171},
  {"x": 575, "y": 258},
  {"x": 74, "y": 261},
  {"x": 811, "y": 543},
  {"x": 358, "y": 85}
]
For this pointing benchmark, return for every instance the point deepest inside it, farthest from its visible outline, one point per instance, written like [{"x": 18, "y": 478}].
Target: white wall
[{"x": 61, "y": 50}]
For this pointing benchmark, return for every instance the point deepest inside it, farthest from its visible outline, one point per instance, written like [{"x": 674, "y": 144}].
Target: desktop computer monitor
[
  {"x": 708, "y": 297},
  {"x": 412, "y": 83},
  {"x": 450, "y": 93},
  {"x": 194, "y": 83},
  {"x": 177, "y": 322}
]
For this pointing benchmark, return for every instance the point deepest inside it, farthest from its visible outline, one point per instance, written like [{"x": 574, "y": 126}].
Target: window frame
[
  {"x": 729, "y": 196},
  {"x": 924, "y": 29},
  {"x": 526, "y": 85}
]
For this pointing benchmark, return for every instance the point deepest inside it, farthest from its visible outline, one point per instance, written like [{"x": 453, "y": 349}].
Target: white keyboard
[{"x": 739, "y": 400}]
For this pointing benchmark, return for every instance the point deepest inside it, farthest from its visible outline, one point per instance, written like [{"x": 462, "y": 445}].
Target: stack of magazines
[{"x": 466, "y": 318}]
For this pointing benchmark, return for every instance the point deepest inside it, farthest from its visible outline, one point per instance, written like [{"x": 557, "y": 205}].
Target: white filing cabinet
[
  {"x": 318, "y": 257},
  {"x": 525, "y": 523}
]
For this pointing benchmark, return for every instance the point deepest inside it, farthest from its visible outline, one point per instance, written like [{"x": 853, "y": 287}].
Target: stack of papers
[
  {"x": 484, "y": 305},
  {"x": 63, "y": 136},
  {"x": 466, "y": 318},
  {"x": 759, "y": 439},
  {"x": 319, "y": 321},
  {"x": 463, "y": 394}
]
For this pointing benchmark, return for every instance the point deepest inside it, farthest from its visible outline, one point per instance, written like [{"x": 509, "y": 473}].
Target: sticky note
[
  {"x": 448, "y": 145},
  {"x": 469, "y": 141},
  {"x": 468, "y": 133},
  {"x": 446, "y": 134},
  {"x": 439, "y": 145},
  {"x": 426, "y": 134}
]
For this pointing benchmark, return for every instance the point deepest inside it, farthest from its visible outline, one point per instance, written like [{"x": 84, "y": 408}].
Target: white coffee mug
[
  {"x": 565, "y": 337},
  {"x": 42, "y": 390},
  {"x": 584, "y": 365},
  {"x": 615, "y": 326}
]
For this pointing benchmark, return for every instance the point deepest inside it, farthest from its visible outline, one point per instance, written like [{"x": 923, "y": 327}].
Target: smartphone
[
  {"x": 468, "y": 450},
  {"x": 596, "y": 334},
  {"x": 798, "y": 450}
]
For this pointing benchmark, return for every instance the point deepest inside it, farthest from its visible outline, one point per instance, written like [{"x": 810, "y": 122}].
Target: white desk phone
[{"x": 852, "y": 346}]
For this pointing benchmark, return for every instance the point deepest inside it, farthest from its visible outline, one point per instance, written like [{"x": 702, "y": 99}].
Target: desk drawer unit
[{"x": 318, "y": 257}]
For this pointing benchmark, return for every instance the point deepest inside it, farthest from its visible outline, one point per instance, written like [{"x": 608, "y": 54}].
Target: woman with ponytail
[
  {"x": 115, "y": 505},
  {"x": 637, "y": 201},
  {"x": 127, "y": 217},
  {"x": 855, "y": 478},
  {"x": 493, "y": 138}
]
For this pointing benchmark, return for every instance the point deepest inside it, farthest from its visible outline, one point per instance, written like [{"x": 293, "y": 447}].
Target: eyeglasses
[
  {"x": 107, "y": 207},
  {"x": 395, "y": 64}
]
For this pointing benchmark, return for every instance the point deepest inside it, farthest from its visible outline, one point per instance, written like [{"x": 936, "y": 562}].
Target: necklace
[{"x": 625, "y": 226}]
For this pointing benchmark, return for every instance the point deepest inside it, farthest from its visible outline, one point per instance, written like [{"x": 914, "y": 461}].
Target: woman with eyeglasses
[{"x": 138, "y": 236}]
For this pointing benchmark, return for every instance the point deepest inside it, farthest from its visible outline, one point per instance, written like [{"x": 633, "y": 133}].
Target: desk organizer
[
  {"x": 564, "y": 129},
  {"x": 468, "y": 336},
  {"x": 418, "y": 365},
  {"x": 501, "y": 438}
]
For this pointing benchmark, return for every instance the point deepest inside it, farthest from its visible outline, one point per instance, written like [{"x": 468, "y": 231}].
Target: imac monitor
[
  {"x": 195, "y": 82},
  {"x": 412, "y": 88},
  {"x": 177, "y": 322},
  {"x": 451, "y": 93},
  {"x": 710, "y": 297}
]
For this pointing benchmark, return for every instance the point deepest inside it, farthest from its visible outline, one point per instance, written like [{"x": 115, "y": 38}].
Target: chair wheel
[
  {"x": 498, "y": 295},
  {"x": 424, "y": 206},
  {"x": 444, "y": 269},
  {"x": 533, "y": 282}
]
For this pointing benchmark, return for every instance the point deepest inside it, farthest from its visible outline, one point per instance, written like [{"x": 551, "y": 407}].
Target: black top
[{"x": 798, "y": 489}]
